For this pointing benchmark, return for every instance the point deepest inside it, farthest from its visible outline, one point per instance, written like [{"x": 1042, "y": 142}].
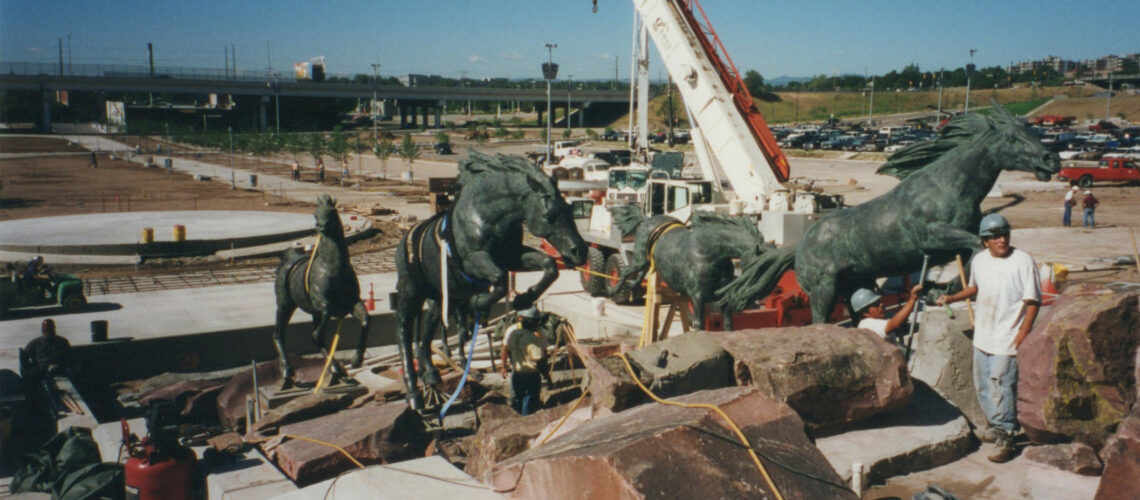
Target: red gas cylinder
[
  {"x": 161, "y": 476},
  {"x": 158, "y": 468}
]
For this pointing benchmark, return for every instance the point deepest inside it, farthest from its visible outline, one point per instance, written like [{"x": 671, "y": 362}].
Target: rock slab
[
  {"x": 1077, "y": 458},
  {"x": 1122, "y": 456},
  {"x": 944, "y": 359},
  {"x": 1076, "y": 367},
  {"x": 659, "y": 451},
  {"x": 504, "y": 435},
  {"x": 830, "y": 375},
  {"x": 375, "y": 433}
]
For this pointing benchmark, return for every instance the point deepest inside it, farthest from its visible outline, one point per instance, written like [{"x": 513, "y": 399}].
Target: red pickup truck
[{"x": 1115, "y": 169}]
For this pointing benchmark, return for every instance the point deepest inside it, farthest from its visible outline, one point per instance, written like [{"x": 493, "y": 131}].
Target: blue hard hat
[
  {"x": 993, "y": 225},
  {"x": 863, "y": 298}
]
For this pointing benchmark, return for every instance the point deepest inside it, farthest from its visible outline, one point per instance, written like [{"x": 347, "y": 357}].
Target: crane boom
[{"x": 737, "y": 136}]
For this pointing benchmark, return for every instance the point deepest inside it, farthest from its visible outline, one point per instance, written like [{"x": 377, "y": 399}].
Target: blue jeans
[
  {"x": 1090, "y": 217},
  {"x": 1067, "y": 220},
  {"x": 995, "y": 379},
  {"x": 526, "y": 389}
]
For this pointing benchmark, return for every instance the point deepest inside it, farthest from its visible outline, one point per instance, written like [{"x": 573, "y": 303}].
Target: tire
[
  {"x": 1085, "y": 181},
  {"x": 73, "y": 303},
  {"x": 614, "y": 268},
  {"x": 593, "y": 284}
]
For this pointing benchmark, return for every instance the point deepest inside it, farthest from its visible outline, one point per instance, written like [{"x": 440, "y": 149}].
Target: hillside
[{"x": 818, "y": 106}]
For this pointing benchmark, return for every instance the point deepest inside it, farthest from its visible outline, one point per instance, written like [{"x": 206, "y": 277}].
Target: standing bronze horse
[
  {"x": 323, "y": 284},
  {"x": 694, "y": 261},
  {"x": 460, "y": 259},
  {"x": 934, "y": 211}
]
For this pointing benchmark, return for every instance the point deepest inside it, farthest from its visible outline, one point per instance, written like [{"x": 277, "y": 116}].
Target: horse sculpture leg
[
  {"x": 284, "y": 313},
  {"x": 408, "y": 309},
  {"x": 361, "y": 314},
  {"x": 633, "y": 274}
]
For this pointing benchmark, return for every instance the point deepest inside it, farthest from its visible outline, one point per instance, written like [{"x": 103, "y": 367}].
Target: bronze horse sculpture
[
  {"x": 695, "y": 261},
  {"x": 934, "y": 211},
  {"x": 323, "y": 284},
  {"x": 459, "y": 260}
]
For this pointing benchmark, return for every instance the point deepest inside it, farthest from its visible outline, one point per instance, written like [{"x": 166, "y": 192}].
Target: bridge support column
[
  {"x": 439, "y": 113},
  {"x": 263, "y": 119},
  {"x": 403, "y": 116},
  {"x": 424, "y": 110},
  {"x": 46, "y": 98}
]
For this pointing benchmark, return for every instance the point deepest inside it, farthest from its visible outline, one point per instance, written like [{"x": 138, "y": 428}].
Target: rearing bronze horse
[
  {"x": 322, "y": 284},
  {"x": 460, "y": 259}
]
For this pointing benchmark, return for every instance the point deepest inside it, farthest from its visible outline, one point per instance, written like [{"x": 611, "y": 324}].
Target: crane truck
[{"x": 743, "y": 170}]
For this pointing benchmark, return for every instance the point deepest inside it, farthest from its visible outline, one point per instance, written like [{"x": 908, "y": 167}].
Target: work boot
[
  {"x": 988, "y": 435},
  {"x": 1004, "y": 450}
]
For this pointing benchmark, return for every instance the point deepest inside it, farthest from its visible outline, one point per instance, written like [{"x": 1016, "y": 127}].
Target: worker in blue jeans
[
  {"x": 1007, "y": 286},
  {"x": 1089, "y": 203},
  {"x": 524, "y": 351}
]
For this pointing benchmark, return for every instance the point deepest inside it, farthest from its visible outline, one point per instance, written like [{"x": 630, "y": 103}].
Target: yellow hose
[
  {"x": 329, "y": 360},
  {"x": 735, "y": 428}
]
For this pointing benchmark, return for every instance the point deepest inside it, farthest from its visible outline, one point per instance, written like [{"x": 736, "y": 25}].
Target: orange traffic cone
[
  {"x": 1049, "y": 290},
  {"x": 370, "y": 304}
]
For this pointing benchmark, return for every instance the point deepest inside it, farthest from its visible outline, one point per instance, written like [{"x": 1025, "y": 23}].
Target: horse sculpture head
[
  {"x": 1007, "y": 140},
  {"x": 738, "y": 235},
  {"x": 328, "y": 221},
  {"x": 545, "y": 212}
]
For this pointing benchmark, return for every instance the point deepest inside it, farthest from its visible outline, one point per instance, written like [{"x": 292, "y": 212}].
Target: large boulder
[
  {"x": 660, "y": 451},
  {"x": 1077, "y": 458},
  {"x": 672, "y": 367},
  {"x": 830, "y": 375},
  {"x": 231, "y": 398},
  {"x": 943, "y": 357},
  {"x": 1076, "y": 367},
  {"x": 372, "y": 434},
  {"x": 502, "y": 437},
  {"x": 1122, "y": 455}
]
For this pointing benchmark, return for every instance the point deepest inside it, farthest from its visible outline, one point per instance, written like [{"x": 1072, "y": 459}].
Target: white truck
[{"x": 743, "y": 169}]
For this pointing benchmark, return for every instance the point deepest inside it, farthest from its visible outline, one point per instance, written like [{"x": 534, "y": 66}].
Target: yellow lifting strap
[
  {"x": 309, "y": 266},
  {"x": 329, "y": 360},
  {"x": 651, "y": 291}
]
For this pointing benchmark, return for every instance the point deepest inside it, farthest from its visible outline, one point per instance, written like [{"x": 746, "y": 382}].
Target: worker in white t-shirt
[
  {"x": 869, "y": 303},
  {"x": 1007, "y": 286}
]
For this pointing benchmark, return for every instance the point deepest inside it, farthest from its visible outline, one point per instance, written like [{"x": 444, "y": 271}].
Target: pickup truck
[{"x": 1111, "y": 169}]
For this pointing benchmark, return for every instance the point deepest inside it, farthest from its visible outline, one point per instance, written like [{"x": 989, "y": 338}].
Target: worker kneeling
[
  {"x": 524, "y": 350},
  {"x": 869, "y": 304}
]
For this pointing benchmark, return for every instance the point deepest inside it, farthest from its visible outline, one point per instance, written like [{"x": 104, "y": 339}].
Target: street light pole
[
  {"x": 1108, "y": 103},
  {"x": 569, "y": 86},
  {"x": 549, "y": 72},
  {"x": 277, "y": 102},
  {"x": 233, "y": 182},
  {"x": 375, "y": 77},
  {"x": 969, "y": 73}
]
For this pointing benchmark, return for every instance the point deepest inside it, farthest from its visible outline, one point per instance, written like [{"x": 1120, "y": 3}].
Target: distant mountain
[{"x": 783, "y": 80}]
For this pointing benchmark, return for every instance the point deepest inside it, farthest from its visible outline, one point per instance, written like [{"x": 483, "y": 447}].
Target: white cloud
[
  {"x": 475, "y": 59},
  {"x": 604, "y": 55}
]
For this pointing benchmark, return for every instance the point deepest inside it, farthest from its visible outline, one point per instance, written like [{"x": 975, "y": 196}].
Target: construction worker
[
  {"x": 1008, "y": 289},
  {"x": 45, "y": 355},
  {"x": 875, "y": 317},
  {"x": 524, "y": 351},
  {"x": 35, "y": 274}
]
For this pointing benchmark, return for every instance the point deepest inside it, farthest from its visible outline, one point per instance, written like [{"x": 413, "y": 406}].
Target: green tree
[
  {"x": 383, "y": 150},
  {"x": 295, "y": 145},
  {"x": 338, "y": 147},
  {"x": 316, "y": 147},
  {"x": 443, "y": 137},
  {"x": 754, "y": 82},
  {"x": 409, "y": 152},
  {"x": 591, "y": 134},
  {"x": 566, "y": 133}
]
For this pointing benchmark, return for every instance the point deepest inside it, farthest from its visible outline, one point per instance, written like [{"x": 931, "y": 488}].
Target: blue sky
[{"x": 501, "y": 38}]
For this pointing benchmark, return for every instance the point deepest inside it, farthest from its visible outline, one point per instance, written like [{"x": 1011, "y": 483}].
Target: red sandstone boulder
[
  {"x": 1122, "y": 455},
  {"x": 659, "y": 451},
  {"x": 1076, "y": 367},
  {"x": 231, "y": 399},
  {"x": 372, "y": 434},
  {"x": 830, "y": 375},
  {"x": 502, "y": 437},
  {"x": 1077, "y": 458}
]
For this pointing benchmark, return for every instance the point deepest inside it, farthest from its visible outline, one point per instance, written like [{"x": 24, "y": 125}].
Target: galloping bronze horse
[
  {"x": 695, "y": 261},
  {"x": 322, "y": 284},
  {"x": 460, "y": 259},
  {"x": 934, "y": 211}
]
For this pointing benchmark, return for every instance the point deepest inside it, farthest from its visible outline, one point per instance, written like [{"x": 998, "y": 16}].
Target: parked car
[{"x": 442, "y": 148}]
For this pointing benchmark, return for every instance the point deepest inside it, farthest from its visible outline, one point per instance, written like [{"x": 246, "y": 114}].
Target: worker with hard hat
[
  {"x": 45, "y": 355},
  {"x": 1006, "y": 284},
  {"x": 869, "y": 303},
  {"x": 524, "y": 352}
]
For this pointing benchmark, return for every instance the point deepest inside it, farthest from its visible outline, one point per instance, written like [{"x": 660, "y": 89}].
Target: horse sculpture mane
[
  {"x": 959, "y": 131},
  {"x": 478, "y": 164},
  {"x": 714, "y": 221}
]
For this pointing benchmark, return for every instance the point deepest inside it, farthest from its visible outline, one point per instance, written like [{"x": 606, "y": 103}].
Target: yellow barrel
[
  {"x": 147, "y": 235},
  {"x": 179, "y": 232}
]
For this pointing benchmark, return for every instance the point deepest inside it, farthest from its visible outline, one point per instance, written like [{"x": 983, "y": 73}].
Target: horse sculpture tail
[{"x": 758, "y": 277}]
